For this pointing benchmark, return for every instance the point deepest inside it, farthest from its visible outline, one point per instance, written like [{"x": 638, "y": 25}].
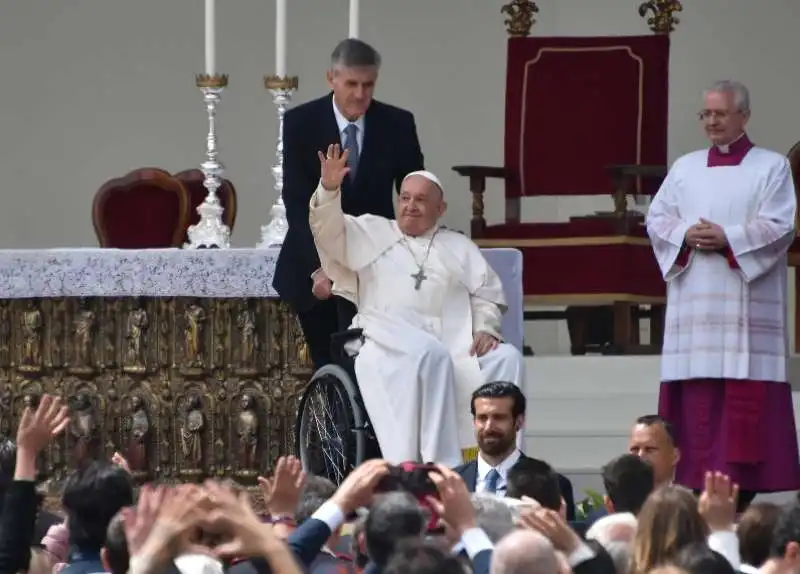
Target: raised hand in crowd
[
  {"x": 358, "y": 489},
  {"x": 550, "y": 524},
  {"x": 717, "y": 503},
  {"x": 121, "y": 461},
  {"x": 35, "y": 430},
  {"x": 282, "y": 491},
  {"x": 246, "y": 534},
  {"x": 454, "y": 503}
]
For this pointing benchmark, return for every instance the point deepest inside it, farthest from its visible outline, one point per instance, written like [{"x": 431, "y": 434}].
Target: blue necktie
[
  {"x": 492, "y": 478},
  {"x": 351, "y": 144}
]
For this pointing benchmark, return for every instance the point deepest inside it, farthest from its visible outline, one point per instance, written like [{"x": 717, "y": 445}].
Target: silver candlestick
[
  {"x": 210, "y": 231},
  {"x": 273, "y": 234}
]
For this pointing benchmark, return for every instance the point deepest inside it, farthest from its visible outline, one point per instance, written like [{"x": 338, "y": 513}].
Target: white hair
[
  {"x": 740, "y": 93},
  {"x": 524, "y": 552},
  {"x": 493, "y": 515},
  {"x": 615, "y": 533}
]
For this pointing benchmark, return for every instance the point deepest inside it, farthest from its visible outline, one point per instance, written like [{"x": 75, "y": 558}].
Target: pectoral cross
[{"x": 418, "y": 278}]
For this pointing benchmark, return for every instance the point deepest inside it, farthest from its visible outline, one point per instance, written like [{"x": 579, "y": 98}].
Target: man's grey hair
[
  {"x": 615, "y": 533},
  {"x": 393, "y": 518},
  {"x": 494, "y": 516},
  {"x": 740, "y": 93},
  {"x": 316, "y": 491},
  {"x": 524, "y": 552},
  {"x": 354, "y": 53}
]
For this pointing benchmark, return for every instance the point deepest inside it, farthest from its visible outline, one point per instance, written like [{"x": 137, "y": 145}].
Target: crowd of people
[{"x": 517, "y": 517}]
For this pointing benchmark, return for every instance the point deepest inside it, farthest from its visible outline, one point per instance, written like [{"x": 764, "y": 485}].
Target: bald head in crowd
[{"x": 525, "y": 552}]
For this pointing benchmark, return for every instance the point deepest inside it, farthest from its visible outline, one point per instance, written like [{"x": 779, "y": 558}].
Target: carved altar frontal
[{"x": 185, "y": 362}]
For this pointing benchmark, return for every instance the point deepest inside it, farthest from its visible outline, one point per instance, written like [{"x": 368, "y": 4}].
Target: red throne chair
[
  {"x": 585, "y": 116},
  {"x": 145, "y": 209},
  {"x": 192, "y": 179}
]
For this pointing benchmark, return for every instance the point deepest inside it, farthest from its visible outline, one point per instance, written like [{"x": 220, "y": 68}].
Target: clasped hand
[{"x": 706, "y": 236}]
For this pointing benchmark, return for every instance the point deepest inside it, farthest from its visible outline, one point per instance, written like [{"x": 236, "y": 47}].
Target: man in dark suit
[
  {"x": 498, "y": 414},
  {"x": 384, "y": 148}
]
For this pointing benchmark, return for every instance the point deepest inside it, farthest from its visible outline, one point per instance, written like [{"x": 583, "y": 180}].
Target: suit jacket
[
  {"x": 389, "y": 152},
  {"x": 469, "y": 472}
]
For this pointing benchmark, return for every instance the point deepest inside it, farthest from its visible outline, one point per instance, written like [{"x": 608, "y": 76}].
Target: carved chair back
[{"x": 147, "y": 208}]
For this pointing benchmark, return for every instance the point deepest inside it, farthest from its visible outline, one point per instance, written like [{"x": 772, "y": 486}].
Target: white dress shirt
[
  {"x": 343, "y": 122},
  {"x": 502, "y": 469}
]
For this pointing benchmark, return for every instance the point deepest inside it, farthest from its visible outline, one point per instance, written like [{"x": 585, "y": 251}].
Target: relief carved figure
[
  {"x": 137, "y": 451},
  {"x": 247, "y": 433},
  {"x": 31, "y": 355},
  {"x": 192, "y": 431},
  {"x": 193, "y": 336},
  {"x": 301, "y": 348},
  {"x": 83, "y": 429},
  {"x": 82, "y": 330},
  {"x": 5, "y": 334},
  {"x": 6, "y": 414},
  {"x": 135, "y": 328},
  {"x": 248, "y": 343}
]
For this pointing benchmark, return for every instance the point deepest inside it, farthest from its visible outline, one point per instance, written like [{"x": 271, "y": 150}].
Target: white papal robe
[{"x": 414, "y": 369}]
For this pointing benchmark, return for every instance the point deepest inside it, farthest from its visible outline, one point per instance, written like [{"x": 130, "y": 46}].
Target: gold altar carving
[
  {"x": 184, "y": 388},
  {"x": 662, "y": 19},
  {"x": 521, "y": 17}
]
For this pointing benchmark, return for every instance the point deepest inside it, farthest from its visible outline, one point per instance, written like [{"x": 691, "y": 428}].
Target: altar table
[{"x": 184, "y": 361}]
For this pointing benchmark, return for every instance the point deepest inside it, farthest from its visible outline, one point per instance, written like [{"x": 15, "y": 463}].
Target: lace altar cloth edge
[{"x": 97, "y": 272}]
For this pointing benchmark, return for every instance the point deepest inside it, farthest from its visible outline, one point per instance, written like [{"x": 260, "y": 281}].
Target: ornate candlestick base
[
  {"x": 273, "y": 234},
  {"x": 210, "y": 231}
]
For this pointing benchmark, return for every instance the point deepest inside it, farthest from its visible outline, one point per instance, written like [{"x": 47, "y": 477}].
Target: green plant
[{"x": 593, "y": 501}]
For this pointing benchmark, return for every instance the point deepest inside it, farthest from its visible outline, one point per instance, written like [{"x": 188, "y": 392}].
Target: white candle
[
  {"x": 280, "y": 38},
  {"x": 353, "y": 18},
  {"x": 211, "y": 40}
]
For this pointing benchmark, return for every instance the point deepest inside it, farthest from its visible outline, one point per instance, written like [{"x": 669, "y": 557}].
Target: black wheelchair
[{"x": 333, "y": 433}]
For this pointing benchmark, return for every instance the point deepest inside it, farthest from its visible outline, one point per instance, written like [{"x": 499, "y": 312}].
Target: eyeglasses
[{"x": 714, "y": 114}]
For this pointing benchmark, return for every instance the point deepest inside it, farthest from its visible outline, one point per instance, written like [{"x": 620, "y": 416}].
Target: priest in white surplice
[
  {"x": 430, "y": 307},
  {"x": 721, "y": 225}
]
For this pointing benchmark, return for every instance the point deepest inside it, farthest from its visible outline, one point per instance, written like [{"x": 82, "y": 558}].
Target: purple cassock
[{"x": 744, "y": 428}]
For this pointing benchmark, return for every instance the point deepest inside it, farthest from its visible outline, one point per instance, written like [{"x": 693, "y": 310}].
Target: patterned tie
[
  {"x": 492, "y": 477},
  {"x": 351, "y": 144}
]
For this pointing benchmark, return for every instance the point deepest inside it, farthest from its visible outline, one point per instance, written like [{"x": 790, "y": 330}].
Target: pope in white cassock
[
  {"x": 430, "y": 308},
  {"x": 721, "y": 225}
]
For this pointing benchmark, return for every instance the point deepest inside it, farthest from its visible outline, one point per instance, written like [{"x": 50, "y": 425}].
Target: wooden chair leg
[
  {"x": 657, "y": 317},
  {"x": 623, "y": 334}
]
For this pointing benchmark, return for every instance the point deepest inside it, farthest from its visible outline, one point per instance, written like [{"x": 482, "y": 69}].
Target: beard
[{"x": 495, "y": 444}]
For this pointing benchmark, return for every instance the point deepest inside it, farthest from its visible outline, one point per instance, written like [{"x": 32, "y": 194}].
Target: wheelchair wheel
[{"x": 330, "y": 431}]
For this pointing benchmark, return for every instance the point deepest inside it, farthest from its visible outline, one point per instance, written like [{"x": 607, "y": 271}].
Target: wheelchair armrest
[{"x": 339, "y": 340}]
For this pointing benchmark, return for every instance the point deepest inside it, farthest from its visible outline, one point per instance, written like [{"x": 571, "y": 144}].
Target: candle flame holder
[
  {"x": 282, "y": 89},
  {"x": 210, "y": 231}
]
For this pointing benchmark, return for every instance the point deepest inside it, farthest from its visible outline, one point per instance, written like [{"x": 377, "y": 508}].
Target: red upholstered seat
[
  {"x": 192, "y": 179},
  {"x": 147, "y": 208},
  {"x": 584, "y": 261}
]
